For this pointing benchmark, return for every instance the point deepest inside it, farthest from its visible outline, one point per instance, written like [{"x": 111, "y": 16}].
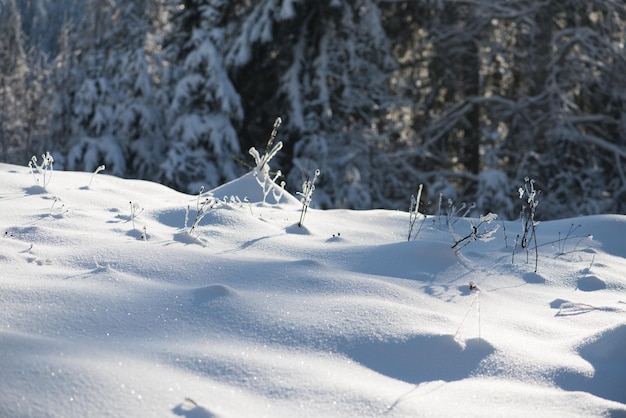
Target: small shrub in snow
[
  {"x": 476, "y": 233},
  {"x": 135, "y": 210},
  {"x": 99, "y": 169},
  {"x": 562, "y": 241},
  {"x": 276, "y": 192},
  {"x": 271, "y": 149},
  {"x": 569, "y": 235},
  {"x": 202, "y": 208},
  {"x": 60, "y": 211},
  {"x": 528, "y": 194},
  {"x": 262, "y": 168},
  {"x": 249, "y": 203},
  {"x": 453, "y": 213},
  {"x": 414, "y": 212},
  {"x": 267, "y": 185},
  {"x": 42, "y": 172},
  {"x": 236, "y": 202},
  {"x": 308, "y": 187}
]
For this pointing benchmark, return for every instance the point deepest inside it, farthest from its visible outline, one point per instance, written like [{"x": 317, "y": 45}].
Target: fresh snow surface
[{"x": 111, "y": 311}]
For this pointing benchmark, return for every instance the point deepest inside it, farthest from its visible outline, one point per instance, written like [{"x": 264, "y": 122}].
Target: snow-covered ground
[{"x": 109, "y": 308}]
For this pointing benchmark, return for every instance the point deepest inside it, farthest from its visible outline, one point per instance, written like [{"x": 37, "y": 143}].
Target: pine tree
[
  {"x": 64, "y": 81},
  {"x": 545, "y": 102},
  {"x": 105, "y": 107},
  {"x": 43, "y": 20},
  {"x": 203, "y": 107},
  {"x": 327, "y": 69},
  {"x": 138, "y": 117},
  {"x": 92, "y": 139},
  {"x": 13, "y": 72},
  {"x": 462, "y": 96},
  {"x": 582, "y": 157},
  {"x": 36, "y": 108}
]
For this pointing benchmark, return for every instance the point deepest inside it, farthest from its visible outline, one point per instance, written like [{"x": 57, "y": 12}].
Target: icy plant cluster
[
  {"x": 452, "y": 214},
  {"x": 480, "y": 231},
  {"x": 135, "y": 211},
  {"x": 528, "y": 194},
  {"x": 476, "y": 232},
  {"x": 42, "y": 171},
  {"x": 414, "y": 213},
  {"x": 308, "y": 187},
  {"x": 203, "y": 207},
  {"x": 262, "y": 168},
  {"x": 100, "y": 168}
]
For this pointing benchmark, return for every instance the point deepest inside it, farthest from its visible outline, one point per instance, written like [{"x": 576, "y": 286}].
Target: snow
[{"x": 254, "y": 316}]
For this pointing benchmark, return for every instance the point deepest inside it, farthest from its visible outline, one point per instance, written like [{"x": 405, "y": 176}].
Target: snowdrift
[{"x": 110, "y": 306}]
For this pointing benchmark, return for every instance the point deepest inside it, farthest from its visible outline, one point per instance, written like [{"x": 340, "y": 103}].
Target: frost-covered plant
[
  {"x": 476, "y": 233},
  {"x": 262, "y": 161},
  {"x": 414, "y": 212},
  {"x": 308, "y": 187},
  {"x": 135, "y": 210},
  {"x": 567, "y": 236},
  {"x": 202, "y": 208},
  {"x": 276, "y": 192},
  {"x": 249, "y": 203},
  {"x": 99, "y": 169},
  {"x": 262, "y": 168},
  {"x": 60, "y": 211},
  {"x": 439, "y": 205},
  {"x": 562, "y": 241},
  {"x": 268, "y": 186},
  {"x": 528, "y": 194},
  {"x": 44, "y": 170},
  {"x": 453, "y": 213}
]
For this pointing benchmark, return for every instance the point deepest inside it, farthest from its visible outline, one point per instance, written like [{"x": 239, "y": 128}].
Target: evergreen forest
[{"x": 466, "y": 97}]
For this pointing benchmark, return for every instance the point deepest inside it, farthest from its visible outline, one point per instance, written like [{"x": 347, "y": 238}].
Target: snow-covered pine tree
[
  {"x": 138, "y": 116},
  {"x": 326, "y": 68},
  {"x": 64, "y": 81},
  {"x": 503, "y": 90},
  {"x": 105, "y": 109},
  {"x": 203, "y": 105},
  {"x": 36, "y": 134},
  {"x": 91, "y": 140},
  {"x": 13, "y": 72},
  {"x": 582, "y": 159},
  {"x": 43, "y": 20}
]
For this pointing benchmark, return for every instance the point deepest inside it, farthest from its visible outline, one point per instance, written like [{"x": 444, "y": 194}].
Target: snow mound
[
  {"x": 605, "y": 352},
  {"x": 250, "y": 187},
  {"x": 112, "y": 305},
  {"x": 212, "y": 292}
]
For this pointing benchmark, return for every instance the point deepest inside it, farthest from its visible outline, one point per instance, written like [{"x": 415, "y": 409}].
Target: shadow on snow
[{"x": 422, "y": 358}]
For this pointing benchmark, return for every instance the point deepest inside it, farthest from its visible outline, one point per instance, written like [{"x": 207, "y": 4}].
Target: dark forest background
[{"x": 465, "y": 97}]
